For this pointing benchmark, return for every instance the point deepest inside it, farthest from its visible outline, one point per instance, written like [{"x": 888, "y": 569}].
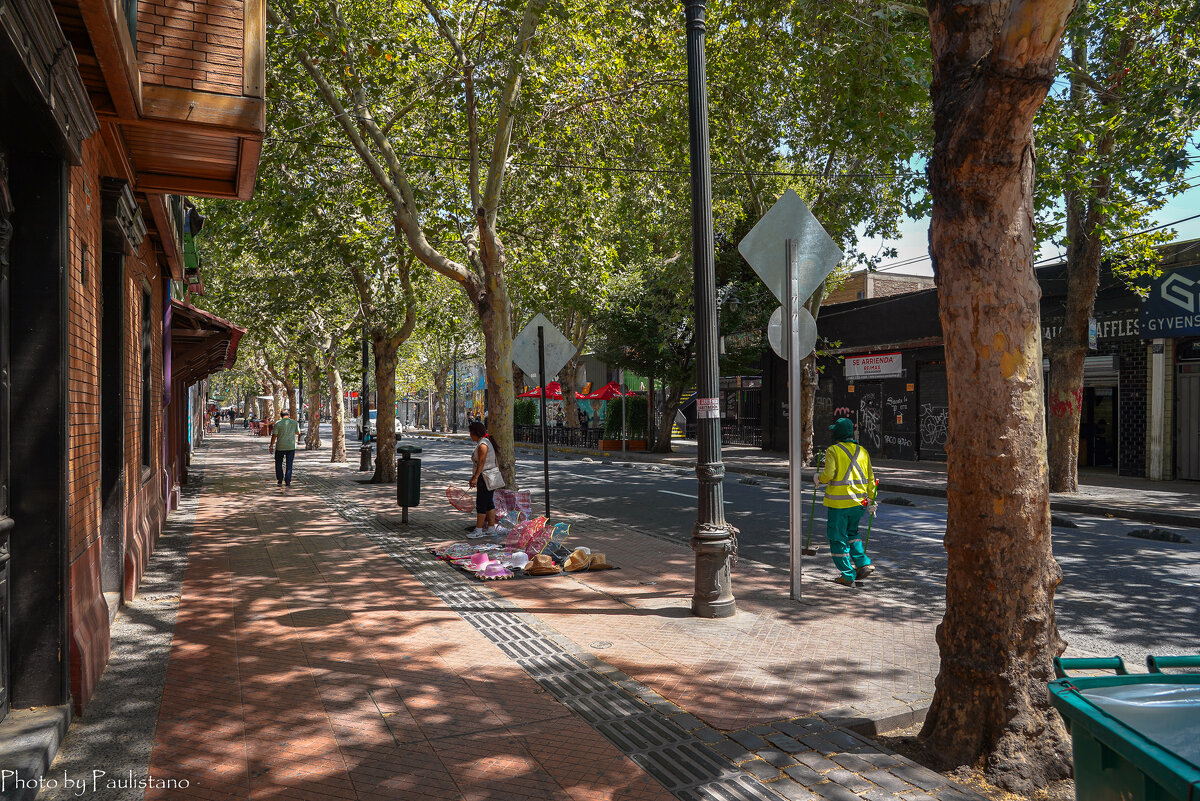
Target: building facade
[
  {"x": 1141, "y": 388},
  {"x": 110, "y": 112}
]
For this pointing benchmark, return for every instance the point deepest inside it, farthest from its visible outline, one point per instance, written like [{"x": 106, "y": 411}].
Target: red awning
[
  {"x": 607, "y": 392},
  {"x": 553, "y": 392},
  {"x": 201, "y": 343}
]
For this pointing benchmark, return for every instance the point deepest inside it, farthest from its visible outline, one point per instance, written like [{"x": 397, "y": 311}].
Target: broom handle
[
  {"x": 871, "y": 517},
  {"x": 813, "y": 509}
]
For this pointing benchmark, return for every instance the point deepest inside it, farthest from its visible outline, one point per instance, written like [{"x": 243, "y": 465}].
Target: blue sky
[{"x": 913, "y": 243}]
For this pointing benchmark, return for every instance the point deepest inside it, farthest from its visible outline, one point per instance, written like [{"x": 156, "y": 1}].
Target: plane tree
[
  {"x": 993, "y": 64},
  {"x": 1112, "y": 150}
]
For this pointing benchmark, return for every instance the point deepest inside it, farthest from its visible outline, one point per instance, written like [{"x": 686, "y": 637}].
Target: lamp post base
[{"x": 715, "y": 547}]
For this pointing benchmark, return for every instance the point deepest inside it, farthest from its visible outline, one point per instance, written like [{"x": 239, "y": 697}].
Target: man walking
[
  {"x": 849, "y": 491},
  {"x": 284, "y": 433}
]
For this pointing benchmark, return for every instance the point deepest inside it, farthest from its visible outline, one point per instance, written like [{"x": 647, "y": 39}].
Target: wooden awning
[{"x": 201, "y": 343}]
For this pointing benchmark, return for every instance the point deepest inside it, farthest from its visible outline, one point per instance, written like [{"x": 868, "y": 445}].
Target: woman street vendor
[{"x": 486, "y": 478}]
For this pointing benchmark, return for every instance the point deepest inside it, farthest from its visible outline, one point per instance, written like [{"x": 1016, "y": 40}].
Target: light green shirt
[{"x": 285, "y": 434}]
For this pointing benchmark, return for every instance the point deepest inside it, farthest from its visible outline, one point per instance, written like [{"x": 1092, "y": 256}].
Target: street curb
[
  {"x": 31, "y": 739},
  {"x": 1098, "y": 510},
  {"x": 878, "y": 721}
]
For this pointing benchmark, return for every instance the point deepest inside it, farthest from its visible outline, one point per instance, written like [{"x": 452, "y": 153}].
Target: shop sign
[
  {"x": 877, "y": 365},
  {"x": 1172, "y": 309},
  {"x": 1126, "y": 327}
]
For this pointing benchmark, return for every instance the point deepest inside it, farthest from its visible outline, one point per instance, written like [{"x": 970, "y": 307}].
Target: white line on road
[{"x": 680, "y": 494}]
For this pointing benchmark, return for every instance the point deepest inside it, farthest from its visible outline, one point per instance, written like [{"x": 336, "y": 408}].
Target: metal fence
[
  {"x": 731, "y": 433},
  {"x": 560, "y": 435}
]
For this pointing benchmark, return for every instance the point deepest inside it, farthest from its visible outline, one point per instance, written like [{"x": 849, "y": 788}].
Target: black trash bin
[{"x": 408, "y": 478}]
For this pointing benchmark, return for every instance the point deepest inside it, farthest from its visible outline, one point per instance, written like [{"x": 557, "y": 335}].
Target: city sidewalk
[
  {"x": 319, "y": 652},
  {"x": 1101, "y": 492}
]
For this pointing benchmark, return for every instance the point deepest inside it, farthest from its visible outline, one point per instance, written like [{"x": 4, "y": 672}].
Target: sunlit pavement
[{"x": 319, "y": 652}]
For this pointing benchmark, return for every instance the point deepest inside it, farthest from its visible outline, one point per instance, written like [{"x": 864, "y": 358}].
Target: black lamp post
[
  {"x": 454, "y": 406},
  {"x": 713, "y": 540}
]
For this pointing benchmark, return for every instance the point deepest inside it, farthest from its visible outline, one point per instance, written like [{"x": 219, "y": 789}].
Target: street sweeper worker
[{"x": 849, "y": 492}]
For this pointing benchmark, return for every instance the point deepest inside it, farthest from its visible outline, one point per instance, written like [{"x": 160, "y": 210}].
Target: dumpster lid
[
  {"x": 1166, "y": 714},
  {"x": 408, "y": 449}
]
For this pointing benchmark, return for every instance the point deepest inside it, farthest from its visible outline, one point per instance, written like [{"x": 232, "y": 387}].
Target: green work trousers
[{"x": 845, "y": 545}]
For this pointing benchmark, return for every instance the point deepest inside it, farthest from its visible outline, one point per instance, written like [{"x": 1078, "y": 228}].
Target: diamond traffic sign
[
  {"x": 763, "y": 248},
  {"x": 558, "y": 349}
]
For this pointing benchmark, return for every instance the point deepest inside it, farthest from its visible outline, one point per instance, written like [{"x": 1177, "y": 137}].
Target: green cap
[{"x": 843, "y": 429}]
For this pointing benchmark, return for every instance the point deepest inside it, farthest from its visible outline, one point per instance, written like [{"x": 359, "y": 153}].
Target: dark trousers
[{"x": 280, "y": 458}]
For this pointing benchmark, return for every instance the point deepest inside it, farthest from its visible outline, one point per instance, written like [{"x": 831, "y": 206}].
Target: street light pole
[{"x": 713, "y": 540}]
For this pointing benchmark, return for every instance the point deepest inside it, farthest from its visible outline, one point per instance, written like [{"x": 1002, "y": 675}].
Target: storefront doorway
[
  {"x": 1098, "y": 427},
  {"x": 1187, "y": 419}
]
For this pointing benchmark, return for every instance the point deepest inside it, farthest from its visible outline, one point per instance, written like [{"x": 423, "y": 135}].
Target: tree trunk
[
  {"x": 662, "y": 437},
  {"x": 289, "y": 388},
  {"x": 1085, "y": 223},
  {"x": 440, "y": 378},
  {"x": 277, "y": 401},
  {"x": 337, "y": 449},
  {"x": 495, "y": 314},
  {"x": 993, "y": 64},
  {"x": 312, "y": 438},
  {"x": 570, "y": 405},
  {"x": 809, "y": 375},
  {"x": 385, "y": 349}
]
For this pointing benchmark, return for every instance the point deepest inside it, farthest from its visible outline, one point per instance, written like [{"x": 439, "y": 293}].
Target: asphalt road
[{"x": 1119, "y": 595}]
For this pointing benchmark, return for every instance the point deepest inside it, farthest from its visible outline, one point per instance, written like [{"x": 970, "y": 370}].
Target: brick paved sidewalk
[{"x": 320, "y": 653}]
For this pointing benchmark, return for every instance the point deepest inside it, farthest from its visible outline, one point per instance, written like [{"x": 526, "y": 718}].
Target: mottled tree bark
[
  {"x": 993, "y": 64},
  {"x": 495, "y": 312},
  {"x": 808, "y": 396},
  {"x": 662, "y": 437},
  {"x": 337, "y": 449},
  {"x": 385, "y": 349},
  {"x": 440, "y": 379},
  {"x": 570, "y": 404},
  {"x": 312, "y": 437},
  {"x": 1085, "y": 221}
]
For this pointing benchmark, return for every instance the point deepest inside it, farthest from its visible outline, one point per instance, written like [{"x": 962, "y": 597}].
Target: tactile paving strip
[{"x": 679, "y": 760}]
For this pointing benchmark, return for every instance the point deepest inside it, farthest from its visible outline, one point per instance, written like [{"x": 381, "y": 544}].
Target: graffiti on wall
[
  {"x": 935, "y": 421},
  {"x": 869, "y": 424}
]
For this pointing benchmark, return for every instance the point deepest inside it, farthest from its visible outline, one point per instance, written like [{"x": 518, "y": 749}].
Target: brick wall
[
  {"x": 144, "y": 505},
  {"x": 83, "y": 323},
  {"x": 1132, "y": 411},
  {"x": 192, "y": 44},
  {"x": 882, "y": 287},
  {"x": 89, "y": 612}
]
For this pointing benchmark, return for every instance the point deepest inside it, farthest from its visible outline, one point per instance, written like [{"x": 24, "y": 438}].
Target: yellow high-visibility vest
[{"x": 848, "y": 476}]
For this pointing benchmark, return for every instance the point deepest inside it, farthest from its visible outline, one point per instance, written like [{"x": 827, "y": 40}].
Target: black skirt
[{"x": 484, "y": 500}]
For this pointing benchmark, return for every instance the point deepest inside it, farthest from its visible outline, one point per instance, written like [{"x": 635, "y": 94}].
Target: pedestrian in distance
[
  {"x": 283, "y": 445},
  {"x": 849, "y": 492},
  {"x": 486, "y": 479}
]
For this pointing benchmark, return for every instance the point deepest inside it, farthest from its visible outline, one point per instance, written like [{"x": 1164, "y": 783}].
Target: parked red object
[
  {"x": 607, "y": 392},
  {"x": 553, "y": 392}
]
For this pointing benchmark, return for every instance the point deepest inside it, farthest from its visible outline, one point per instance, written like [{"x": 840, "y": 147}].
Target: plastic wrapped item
[
  {"x": 1167, "y": 714},
  {"x": 461, "y": 498}
]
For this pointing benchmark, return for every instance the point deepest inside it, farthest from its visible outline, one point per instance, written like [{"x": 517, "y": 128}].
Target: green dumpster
[{"x": 1133, "y": 737}]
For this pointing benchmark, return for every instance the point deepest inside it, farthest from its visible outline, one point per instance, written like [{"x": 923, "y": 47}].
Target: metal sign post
[
  {"x": 809, "y": 254},
  {"x": 793, "y": 304},
  {"x": 621, "y": 388},
  {"x": 542, "y": 350},
  {"x": 541, "y": 338}
]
